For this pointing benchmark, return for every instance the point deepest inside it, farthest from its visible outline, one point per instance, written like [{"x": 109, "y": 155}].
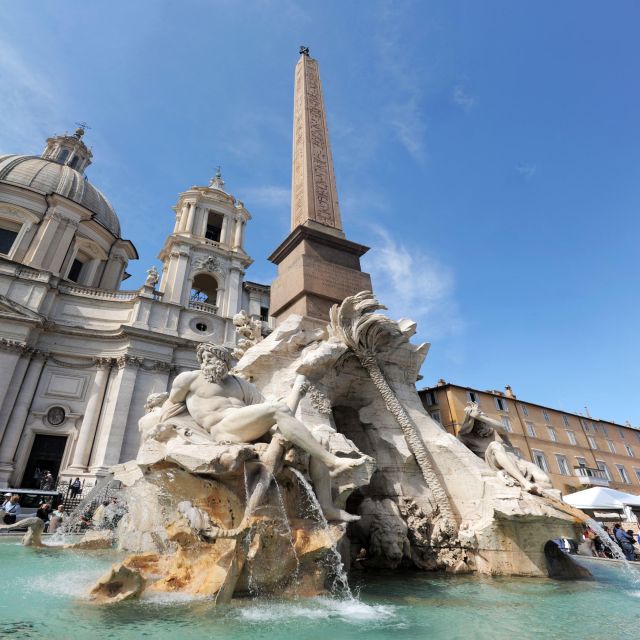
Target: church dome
[{"x": 48, "y": 176}]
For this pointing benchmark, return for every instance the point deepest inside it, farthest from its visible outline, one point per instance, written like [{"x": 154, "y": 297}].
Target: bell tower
[
  {"x": 204, "y": 259},
  {"x": 317, "y": 265}
]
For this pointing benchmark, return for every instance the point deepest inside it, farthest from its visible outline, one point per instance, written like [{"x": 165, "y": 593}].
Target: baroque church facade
[{"x": 78, "y": 354}]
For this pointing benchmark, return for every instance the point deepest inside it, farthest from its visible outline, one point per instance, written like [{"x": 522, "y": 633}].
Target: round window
[
  {"x": 201, "y": 326},
  {"x": 56, "y": 416}
]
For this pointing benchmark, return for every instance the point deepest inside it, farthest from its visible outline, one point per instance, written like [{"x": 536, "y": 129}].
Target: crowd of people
[
  {"x": 51, "y": 515},
  {"x": 103, "y": 514},
  {"x": 593, "y": 544}
]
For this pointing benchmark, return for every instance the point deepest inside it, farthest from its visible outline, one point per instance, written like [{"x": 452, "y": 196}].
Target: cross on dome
[{"x": 217, "y": 182}]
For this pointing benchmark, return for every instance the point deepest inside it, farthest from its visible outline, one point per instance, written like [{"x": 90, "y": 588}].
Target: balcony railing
[
  {"x": 203, "y": 306},
  {"x": 97, "y": 294},
  {"x": 593, "y": 477}
]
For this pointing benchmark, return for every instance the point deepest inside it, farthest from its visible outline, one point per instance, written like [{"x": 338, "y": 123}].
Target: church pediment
[{"x": 11, "y": 309}]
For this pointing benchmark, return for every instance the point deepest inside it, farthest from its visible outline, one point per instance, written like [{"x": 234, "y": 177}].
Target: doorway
[{"x": 46, "y": 455}]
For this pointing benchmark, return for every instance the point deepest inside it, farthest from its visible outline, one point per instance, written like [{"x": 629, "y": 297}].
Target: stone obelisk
[{"x": 317, "y": 265}]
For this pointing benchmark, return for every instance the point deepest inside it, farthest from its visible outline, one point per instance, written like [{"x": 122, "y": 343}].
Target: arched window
[
  {"x": 204, "y": 289},
  {"x": 63, "y": 155}
]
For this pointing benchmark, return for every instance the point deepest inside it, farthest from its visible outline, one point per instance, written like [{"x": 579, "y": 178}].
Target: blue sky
[{"x": 488, "y": 152}]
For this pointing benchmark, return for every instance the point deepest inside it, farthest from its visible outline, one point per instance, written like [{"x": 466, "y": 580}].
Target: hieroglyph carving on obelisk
[{"x": 313, "y": 191}]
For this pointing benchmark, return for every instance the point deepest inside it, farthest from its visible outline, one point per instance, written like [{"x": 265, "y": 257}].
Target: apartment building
[{"x": 577, "y": 451}]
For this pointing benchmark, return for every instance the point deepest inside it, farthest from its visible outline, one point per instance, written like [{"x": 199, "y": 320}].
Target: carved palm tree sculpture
[{"x": 356, "y": 325}]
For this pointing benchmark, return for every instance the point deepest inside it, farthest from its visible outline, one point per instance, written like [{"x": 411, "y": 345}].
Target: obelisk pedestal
[
  {"x": 317, "y": 266},
  {"x": 315, "y": 271}
]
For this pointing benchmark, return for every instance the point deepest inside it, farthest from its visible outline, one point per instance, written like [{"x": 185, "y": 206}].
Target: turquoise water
[{"x": 42, "y": 596}]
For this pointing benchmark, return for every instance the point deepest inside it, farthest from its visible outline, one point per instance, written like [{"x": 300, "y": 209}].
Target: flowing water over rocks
[{"x": 246, "y": 483}]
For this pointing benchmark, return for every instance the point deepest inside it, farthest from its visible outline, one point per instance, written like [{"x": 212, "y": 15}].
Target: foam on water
[
  {"x": 67, "y": 584},
  {"x": 170, "y": 598},
  {"x": 350, "y": 611}
]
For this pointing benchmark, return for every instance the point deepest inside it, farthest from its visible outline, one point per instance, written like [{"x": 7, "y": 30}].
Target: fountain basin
[{"x": 46, "y": 598}]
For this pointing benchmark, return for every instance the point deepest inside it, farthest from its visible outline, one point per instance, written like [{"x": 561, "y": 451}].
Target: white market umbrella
[{"x": 601, "y": 498}]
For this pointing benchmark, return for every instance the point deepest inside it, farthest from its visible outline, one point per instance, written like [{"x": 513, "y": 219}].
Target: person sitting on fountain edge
[{"x": 232, "y": 410}]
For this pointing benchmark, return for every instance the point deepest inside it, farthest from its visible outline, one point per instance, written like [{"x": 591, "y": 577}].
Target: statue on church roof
[{"x": 152, "y": 277}]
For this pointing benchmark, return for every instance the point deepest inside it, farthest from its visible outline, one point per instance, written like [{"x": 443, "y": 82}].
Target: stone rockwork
[
  {"x": 247, "y": 481},
  {"x": 211, "y": 517},
  {"x": 468, "y": 520}
]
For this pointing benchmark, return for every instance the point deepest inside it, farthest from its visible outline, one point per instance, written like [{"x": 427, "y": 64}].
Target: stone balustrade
[
  {"x": 97, "y": 294},
  {"x": 203, "y": 306}
]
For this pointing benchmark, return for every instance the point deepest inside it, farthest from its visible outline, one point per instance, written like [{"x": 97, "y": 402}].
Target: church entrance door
[{"x": 46, "y": 455}]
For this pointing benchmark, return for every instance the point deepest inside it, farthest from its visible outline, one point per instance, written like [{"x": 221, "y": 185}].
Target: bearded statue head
[{"x": 215, "y": 361}]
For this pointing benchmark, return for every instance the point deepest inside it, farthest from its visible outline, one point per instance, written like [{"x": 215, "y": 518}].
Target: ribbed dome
[{"x": 47, "y": 176}]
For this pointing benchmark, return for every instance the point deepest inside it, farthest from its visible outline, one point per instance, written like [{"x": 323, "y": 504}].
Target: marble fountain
[{"x": 273, "y": 476}]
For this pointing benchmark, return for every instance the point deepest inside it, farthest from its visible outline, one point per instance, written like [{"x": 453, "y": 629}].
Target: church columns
[
  {"x": 181, "y": 218},
  {"x": 188, "y": 227},
  {"x": 115, "y": 412},
  {"x": 13, "y": 366},
  {"x": 89, "y": 272},
  {"x": 52, "y": 242},
  {"x": 44, "y": 239},
  {"x": 234, "y": 292},
  {"x": 224, "y": 233},
  {"x": 201, "y": 222},
  {"x": 176, "y": 277},
  {"x": 91, "y": 416},
  {"x": 18, "y": 417},
  {"x": 112, "y": 274},
  {"x": 64, "y": 242},
  {"x": 237, "y": 234}
]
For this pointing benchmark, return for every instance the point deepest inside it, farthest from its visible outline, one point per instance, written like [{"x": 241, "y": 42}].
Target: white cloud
[
  {"x": 413, "y": 284},
  {"x": 527, "y": 171},
  {"x": 461, "y": 98},
  {"x": 398, "y": 63},
  {"x": 29, "y": 104},
  {"x": 410, "y": 127}
]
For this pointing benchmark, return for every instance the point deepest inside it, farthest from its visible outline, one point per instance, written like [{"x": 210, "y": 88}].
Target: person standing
[
  {"x": 625, "y": 541},
  {"x": 12, "y": 509},
  {"x": 75, "y": 487},
  {"x": 99, "y": 519},
  {"x": 47, "y": 481}
]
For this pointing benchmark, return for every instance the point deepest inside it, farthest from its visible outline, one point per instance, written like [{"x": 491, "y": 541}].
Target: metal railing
[{"x": 589, "y": 475}]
